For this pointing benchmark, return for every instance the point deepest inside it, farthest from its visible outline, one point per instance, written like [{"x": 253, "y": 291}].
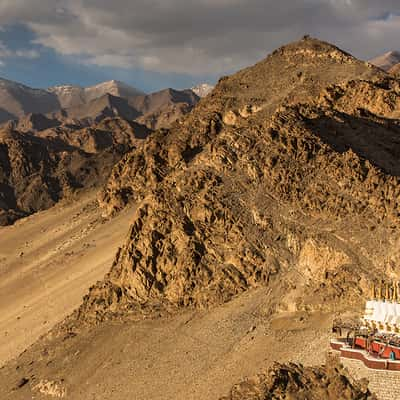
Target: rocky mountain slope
[
  {"x": 163, "y": 108},
  {"x": 17, "y": 100},
  {"x": 395, "y": 70},
  {"x": 387, "y": 60},
  {"x": 155, "y": 110},
  {"x": 38, "y": 168},
  {"x": 74, "y": 96},
  {"x": 191, "y": 355},
  {"x": 261, "y": 215},
  {"x": 254, "y": 187},
  {"x": 77, "y": 146},
  {"x": 106, "y": 106}
]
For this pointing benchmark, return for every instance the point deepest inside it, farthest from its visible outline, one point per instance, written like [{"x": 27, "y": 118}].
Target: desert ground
[
  {"x": 47, "y": 263},
  {"x": 191, "y": 355}
]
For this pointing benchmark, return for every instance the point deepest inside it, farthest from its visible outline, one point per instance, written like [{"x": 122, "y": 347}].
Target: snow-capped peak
[{"x": 203, "y": 89}]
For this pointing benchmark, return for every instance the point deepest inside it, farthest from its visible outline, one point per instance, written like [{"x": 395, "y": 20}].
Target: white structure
[{"x": 382, "y": 315}]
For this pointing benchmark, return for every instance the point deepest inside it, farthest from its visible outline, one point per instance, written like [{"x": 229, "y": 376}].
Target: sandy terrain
[
  {"x": 47, "y": 263},
  {"x": 193, "y": 355}
]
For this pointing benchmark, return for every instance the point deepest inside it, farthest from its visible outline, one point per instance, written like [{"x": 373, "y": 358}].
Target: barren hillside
[
  {"x": 259, "y": 217},
  {"x": 47, "y": 263},
  {"x": 163, "y": 108},
  {"x": 17, "y": 100},
  {"x": 240, "y": 195}
]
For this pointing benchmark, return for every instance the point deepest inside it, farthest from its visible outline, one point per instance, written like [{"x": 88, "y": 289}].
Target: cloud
[
  {"x": 199, "y": 36},
  {"x": 24, "y": 53},
  {"x": 7, "y": 53}
]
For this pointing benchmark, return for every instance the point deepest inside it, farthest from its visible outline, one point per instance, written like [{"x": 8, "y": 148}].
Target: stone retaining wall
[{"x": 385, "y": 384}]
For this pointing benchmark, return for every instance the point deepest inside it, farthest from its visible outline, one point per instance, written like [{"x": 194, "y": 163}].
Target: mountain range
[
  {"x": 68, "y": 138},
  {"x": 39, "y": 167},
  {"x": 75, "y": 96},
  {"x": 112, "y": 98},
  {"x": 17, "y": 100},
  {"x": 247, "y": 226}
]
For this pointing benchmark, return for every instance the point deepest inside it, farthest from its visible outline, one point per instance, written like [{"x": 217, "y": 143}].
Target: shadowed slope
[{"x": 37, "y": 169}]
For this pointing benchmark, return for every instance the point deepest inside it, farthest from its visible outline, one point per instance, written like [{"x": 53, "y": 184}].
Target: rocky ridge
[
  {"x": 106, "y": 106},
  {"x": 75, "y": 96},
  {"x": 17, "y": 100},
  {"x": 289, "y": 180}
]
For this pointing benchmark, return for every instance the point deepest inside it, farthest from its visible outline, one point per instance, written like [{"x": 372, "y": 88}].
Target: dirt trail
[{"x": 47, "y": 263}]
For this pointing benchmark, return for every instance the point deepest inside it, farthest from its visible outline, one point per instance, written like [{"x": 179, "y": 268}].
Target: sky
[{"x": 154, "y": 44}]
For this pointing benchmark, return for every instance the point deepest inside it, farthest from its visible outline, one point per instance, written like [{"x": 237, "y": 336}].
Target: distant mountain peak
[
  {"x": 17, "y": 100},
  {"x": 109, "y": 98},
  {"x": 114, "y": 84},
  {"x": 387, "y": 60},
  {"x": 74, "y": 95},
  {"x": 393, "y": 53},
  {"x": 203, "y": 89}
]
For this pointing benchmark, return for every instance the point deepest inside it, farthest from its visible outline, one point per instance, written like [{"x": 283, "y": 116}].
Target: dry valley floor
[{"x": 47, "y": 263}]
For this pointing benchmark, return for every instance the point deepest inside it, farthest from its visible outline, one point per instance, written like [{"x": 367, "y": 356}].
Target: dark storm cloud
[{"x": 200, "y": 36}]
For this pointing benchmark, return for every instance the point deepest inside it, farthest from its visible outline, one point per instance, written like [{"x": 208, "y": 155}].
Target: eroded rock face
[
  {"x": 294, "y": 73},
  {"x": 296, "y": 382},
  {"x": 301, "y": 189}
]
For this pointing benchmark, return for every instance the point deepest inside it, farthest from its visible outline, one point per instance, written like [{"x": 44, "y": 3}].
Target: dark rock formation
[
  {"x": 295, "y": 382},
  {"x": 38, "y": 168}
]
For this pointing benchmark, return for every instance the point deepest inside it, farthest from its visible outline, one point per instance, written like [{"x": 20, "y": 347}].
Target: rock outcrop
[
  {"x": 395, "y": 70},
  {"x": 295, "y": 382},
  {"x": 203, "y": 89}
]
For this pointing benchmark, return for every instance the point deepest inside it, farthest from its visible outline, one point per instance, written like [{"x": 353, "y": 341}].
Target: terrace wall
[{"x": 385, "y": 384}]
